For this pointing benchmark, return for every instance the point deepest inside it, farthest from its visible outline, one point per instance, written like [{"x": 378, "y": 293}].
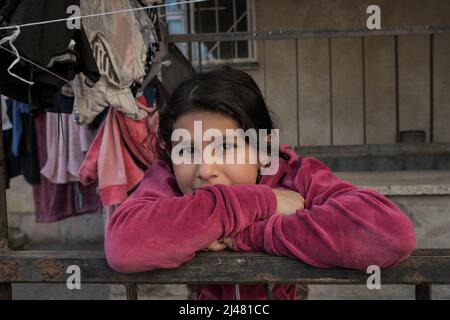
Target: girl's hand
[
  {"x": 288, "y": 201},
  {"x": 217, "y": 245}
]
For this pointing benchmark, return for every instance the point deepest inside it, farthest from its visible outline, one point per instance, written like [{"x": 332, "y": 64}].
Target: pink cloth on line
[
  {"x": 134, "y": 133},
  {"x": 341, "y": 225},
  {"x": 109, "y": 161},
  {"x": 55, "y": 202},
  {"x": 67, "y": 143}
]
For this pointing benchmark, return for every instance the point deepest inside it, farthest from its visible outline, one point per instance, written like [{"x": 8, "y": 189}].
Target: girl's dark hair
[{"x": 227, "y": 91}]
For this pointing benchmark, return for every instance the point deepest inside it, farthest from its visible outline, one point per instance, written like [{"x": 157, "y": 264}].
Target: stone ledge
[
  {"x": 401, "y": 183},
  {"x": 381, "y": 157}
]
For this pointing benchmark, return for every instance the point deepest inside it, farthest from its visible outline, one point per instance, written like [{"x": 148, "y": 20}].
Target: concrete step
[
  {"x": 401, "y": 183},
  {"x": 382, "y": 157}
]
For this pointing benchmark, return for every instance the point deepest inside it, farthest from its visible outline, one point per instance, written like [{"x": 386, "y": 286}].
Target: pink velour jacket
[{"x": 341, "y": 225}]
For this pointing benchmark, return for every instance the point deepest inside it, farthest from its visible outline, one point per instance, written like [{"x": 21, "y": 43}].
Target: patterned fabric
[{"x": 121, "y": 53}]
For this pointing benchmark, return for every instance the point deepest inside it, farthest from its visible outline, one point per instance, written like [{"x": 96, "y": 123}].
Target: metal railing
[{"x": 422, "y": 269}]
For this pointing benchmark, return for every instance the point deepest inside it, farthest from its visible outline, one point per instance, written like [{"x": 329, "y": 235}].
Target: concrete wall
[
  {"x": 85, "y": 230},
  {"x": 320, "y": 90}
]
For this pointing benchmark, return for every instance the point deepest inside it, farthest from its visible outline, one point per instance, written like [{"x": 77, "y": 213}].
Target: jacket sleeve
[
  {"x": 341, "y": 225},
  {"x": 151, "y": 230}
]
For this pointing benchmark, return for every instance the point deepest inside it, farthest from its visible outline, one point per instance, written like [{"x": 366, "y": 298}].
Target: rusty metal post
[
  {"x": 269, "y": 290},
  {"x": 132, "y": 291},
  {"x": 5, "y": 291},
  {"x": 423, "y": 291}
]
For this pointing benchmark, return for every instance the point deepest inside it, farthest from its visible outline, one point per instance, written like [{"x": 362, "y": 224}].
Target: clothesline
[
  {"x": 18, "y": 27},
  {"x": 99, "y": 14}
]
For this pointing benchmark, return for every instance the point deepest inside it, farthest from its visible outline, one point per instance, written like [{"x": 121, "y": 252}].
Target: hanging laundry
[
  {"x": 66, "y": 143},
  {"x": 7, "y": 9},
  {"x": 55, "y": 202},
  {"x": 150, "y": 2},
  {"x": 149, "y": 26},
  {"x": 158, "y": 50},
  {"x": 19, "y": 144},
  {"x": 63, "y": 51},
  {"x": 98, "y": 120},
  {"x": 7, "y": 138},
  {"x": 12, "y": 169},
  {"x": 6, "y": 123},
  {"x": 65, "y": 101},
  {"x": 122, "y": 146},
  {"x": 18, "y": 109},
  {"x": 120, "y": 51}
]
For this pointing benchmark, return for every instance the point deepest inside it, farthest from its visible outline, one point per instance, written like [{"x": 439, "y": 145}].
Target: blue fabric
[
  {"x": 150, "y": 95},
  {"x": 17, "y": 129},
  {"x": 18, "y": 109}
]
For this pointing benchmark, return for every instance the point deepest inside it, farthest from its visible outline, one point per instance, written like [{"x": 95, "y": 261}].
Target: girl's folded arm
[
  {"x": 341, "y": 226},
  {"x": 149, "y": 231}
]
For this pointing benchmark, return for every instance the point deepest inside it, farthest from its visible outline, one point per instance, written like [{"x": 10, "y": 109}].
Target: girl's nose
[{"x": 207, "y": 172}]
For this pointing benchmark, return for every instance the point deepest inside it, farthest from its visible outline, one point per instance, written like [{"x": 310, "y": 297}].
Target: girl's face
[{"x": 191, "y": 176}]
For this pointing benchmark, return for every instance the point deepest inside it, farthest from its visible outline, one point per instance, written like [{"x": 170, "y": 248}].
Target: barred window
[{"x": 214, "y": 16}]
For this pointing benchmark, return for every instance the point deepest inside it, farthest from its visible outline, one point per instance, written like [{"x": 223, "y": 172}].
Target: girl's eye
[
  {"x": 187, "y": 150},
  {"x": 227, "y": 146}
]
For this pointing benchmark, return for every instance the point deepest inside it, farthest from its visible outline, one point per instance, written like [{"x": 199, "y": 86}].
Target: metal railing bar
[
  {"x": 427, "y": 266},
  {"x": 307, "y": 34},
  {"x": 423, "y": 291},
  {"x": 131, "y": 291}
]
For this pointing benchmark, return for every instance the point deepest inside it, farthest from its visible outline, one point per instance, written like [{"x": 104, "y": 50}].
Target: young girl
[{"x": 302, "y": 211}]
